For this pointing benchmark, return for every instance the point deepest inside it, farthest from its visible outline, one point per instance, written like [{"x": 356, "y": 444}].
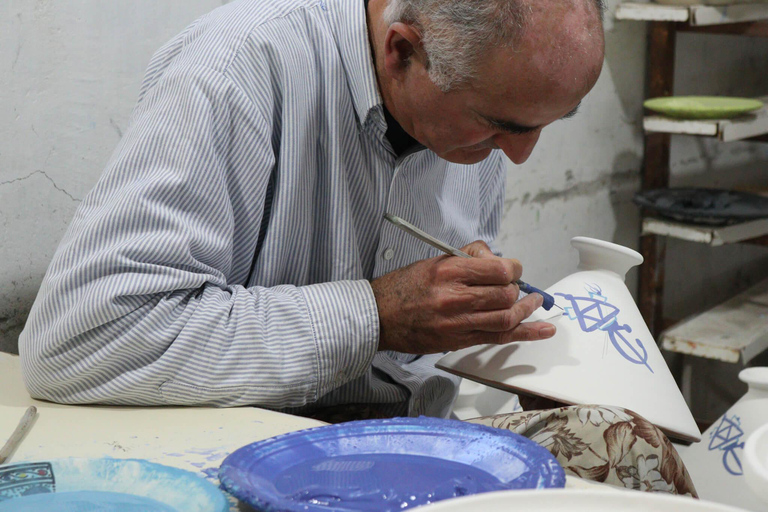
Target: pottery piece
[
  {"x": 756, "y": 462},
  {"x": 602, "y": 352},
  {"x": 384, "y": 466},
  {"x": 702, "y": 107},
  {"x": 578, "y": 500},
  {"x": 105, "y": 484},
  {"x": 716, "y": 463}
]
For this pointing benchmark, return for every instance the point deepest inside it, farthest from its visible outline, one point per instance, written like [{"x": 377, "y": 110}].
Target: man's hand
[{"x": 447, "y": 303}]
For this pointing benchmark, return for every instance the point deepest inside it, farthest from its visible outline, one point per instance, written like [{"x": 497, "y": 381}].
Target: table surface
[{"x": 193, "y": 438}]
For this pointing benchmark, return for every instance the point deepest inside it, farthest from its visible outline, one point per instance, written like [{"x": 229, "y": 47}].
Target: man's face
[{"x": 517, "y": 93}]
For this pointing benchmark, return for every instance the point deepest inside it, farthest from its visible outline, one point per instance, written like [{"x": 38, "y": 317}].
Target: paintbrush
[
  {"x": 21, "y": 429},
  {"x": 409, "y": 228}
]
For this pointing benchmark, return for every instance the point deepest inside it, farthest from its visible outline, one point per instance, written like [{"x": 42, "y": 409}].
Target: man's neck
[{"x": 400, "y": 140}]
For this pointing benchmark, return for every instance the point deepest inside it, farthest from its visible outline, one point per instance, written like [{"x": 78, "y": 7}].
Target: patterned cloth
[{"x": 604, "y": 444}]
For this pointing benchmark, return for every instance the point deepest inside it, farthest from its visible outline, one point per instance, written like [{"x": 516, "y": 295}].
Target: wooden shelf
[
  {"x": 727, "y": 130},
  {"x": 736, "y": 330},
  {"x": 693, "y": 15},
  {"x": 711, "y": 235}
]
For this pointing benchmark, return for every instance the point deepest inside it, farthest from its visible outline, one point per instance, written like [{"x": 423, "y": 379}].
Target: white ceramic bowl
[
  {"x": 756, "y": 462},
  {"x": 561, "y": 500}
]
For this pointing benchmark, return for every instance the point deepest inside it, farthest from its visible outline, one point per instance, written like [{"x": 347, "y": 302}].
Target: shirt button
[{"x": 389, "y": 254}]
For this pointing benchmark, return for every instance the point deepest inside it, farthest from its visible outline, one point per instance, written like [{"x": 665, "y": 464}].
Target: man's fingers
[
  {"x": 505, "y": 320},
  {"x": 487, "y": 271},
  {"x": 530, "y": 331}
]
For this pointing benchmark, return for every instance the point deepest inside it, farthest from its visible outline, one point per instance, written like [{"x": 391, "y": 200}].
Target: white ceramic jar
[
  {"x": 715, "y": 464},
  {"x": 602, "y": 353}
]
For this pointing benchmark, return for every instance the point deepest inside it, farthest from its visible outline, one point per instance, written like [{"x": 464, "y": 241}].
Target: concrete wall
[{"x": 70, "y": 72}]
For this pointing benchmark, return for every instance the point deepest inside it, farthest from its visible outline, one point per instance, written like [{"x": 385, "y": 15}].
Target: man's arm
[{"x": 140, "y": 304}]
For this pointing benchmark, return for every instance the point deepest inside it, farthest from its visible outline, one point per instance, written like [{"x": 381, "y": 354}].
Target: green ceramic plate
[{"x": 702, "y": 107}]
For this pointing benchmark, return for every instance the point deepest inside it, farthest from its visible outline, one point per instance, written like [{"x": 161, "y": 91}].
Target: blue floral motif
[
  {"x": 726, "y": 438},
  {"x": 596, "y": 313}
]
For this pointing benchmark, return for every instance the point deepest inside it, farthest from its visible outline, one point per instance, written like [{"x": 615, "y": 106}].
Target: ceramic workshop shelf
[
  {"x": 727, "y": 130},
  {"x": 711, "y": 235},
  {"x": 693, "y": 15},
  {"x": 733, "y": 331}
]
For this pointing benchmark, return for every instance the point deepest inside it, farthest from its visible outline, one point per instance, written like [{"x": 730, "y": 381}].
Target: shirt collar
[{"x": 349, "y": 25}]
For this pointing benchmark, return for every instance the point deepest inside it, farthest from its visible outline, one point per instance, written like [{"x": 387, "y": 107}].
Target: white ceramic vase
[
  {"x": 715, "y": 464},
  {"x": 602, "y": 352}
]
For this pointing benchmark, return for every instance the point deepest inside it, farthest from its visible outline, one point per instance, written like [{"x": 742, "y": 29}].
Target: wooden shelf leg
[
  {"x": 661, "y": 64},
  {"x": 651, "y": 292}
]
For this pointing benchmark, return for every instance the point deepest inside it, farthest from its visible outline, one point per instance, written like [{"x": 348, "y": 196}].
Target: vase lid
[{"x": 755, "y": 377}]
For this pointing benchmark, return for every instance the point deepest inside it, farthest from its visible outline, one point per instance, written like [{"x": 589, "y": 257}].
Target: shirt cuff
[{"x": 345, "y": 322}]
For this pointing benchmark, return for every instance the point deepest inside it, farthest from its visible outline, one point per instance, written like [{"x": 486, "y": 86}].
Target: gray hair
[{"x": 455, "y": 33}]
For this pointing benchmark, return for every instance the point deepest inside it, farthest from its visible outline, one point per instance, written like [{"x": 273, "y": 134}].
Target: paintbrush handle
[
  {"x": 21, "y": 429},
  {"x": 409, "y": 228}
]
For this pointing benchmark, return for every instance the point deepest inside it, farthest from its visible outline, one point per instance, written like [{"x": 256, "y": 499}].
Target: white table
[{"x": 193, "y": 438}]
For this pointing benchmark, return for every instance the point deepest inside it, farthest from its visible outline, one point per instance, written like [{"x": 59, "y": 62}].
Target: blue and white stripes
[{"x": 224, "y": 256}]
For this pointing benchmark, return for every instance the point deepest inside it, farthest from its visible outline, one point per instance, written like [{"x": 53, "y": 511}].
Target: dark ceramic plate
[
  {"x": 704, "y": 206},
  {"x": 385, "y": 465}
]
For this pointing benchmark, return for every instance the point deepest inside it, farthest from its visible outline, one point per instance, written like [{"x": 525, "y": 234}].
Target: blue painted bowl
[
  {"x": 384, "y": 465},
  {"x": 119, "y": 485}
]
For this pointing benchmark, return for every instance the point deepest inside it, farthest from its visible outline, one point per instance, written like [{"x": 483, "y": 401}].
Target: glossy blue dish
[
  {"x": 384, "y": 465},
  {"x": 114, "y": 485}
]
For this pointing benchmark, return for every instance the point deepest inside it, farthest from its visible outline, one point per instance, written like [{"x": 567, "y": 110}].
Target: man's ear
[{"x": 402, "y": 48}]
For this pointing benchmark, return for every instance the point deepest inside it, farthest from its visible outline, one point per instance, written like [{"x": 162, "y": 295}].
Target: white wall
[{"x": 70, "y": 73}]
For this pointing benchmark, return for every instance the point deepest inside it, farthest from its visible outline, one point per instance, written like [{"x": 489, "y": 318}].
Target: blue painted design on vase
[
  {"x": 594, "y": 312},
  {"x": 726, "y": 438}
]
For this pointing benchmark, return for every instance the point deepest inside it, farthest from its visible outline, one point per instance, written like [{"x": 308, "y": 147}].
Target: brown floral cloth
[{"x": 604, "y": 444}]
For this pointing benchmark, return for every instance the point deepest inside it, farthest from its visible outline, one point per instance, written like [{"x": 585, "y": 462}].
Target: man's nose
[{"x": 517, "y": 147}]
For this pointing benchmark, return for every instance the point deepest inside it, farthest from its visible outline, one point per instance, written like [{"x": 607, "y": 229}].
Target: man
[{"x": 234, "y": 251}]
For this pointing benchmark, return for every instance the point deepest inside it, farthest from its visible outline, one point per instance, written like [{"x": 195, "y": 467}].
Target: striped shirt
[{"x": 225, "y": 255}]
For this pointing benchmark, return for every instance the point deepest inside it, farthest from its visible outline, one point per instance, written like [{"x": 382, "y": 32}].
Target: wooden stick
[{"x": 18, "y": 435}]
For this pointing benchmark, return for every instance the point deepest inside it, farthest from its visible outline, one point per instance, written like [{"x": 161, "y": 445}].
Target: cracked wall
[
  {"x": 69, "y": 77},
  {"x": 70, "y": 73}
]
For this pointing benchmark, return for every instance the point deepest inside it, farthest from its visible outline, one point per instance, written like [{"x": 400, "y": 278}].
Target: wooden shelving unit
[
  {"x": 693, "y": 15},
  {"x": 665, "y": 21},
  {"x": 735, "y": 331},
  {"x": 747, "y": 127}
]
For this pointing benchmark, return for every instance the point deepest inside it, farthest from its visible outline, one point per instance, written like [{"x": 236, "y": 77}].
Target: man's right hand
[{"x": 448, "y": 303}]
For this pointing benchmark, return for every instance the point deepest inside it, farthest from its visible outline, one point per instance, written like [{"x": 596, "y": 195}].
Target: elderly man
[{"x": 234, "y": 251}]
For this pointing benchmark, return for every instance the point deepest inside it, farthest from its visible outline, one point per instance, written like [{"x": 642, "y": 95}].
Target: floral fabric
[{"x": 604, "y": 444}]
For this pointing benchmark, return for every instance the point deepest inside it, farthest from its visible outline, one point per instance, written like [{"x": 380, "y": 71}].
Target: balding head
[{"x": 456, "y": 33}]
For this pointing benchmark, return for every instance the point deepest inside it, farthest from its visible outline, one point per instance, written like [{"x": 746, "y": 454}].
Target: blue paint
[
  {"x": 84, "y": 501},
  {"x": 355, "y": 481},
  {"x": 596, "y": 313},
  {"x": 384, "y": 465},
  {"x": 726, "y": 438}
]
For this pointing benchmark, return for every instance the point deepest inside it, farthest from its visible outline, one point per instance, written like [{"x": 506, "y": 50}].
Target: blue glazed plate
[
  {"x": 384, "y": 465},
  {"x": 115, "y": 485}
]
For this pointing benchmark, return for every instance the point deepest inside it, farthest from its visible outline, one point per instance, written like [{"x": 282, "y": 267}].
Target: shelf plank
[
  {"x": 693, "y": 15},
  {"x": 736, "y": 330},
  {"x": 711, "y": 235},
  {"x": 727, "y": 130}
]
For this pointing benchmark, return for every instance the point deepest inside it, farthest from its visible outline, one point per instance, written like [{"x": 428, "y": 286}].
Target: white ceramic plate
[{"x": 561, "y": 500}]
